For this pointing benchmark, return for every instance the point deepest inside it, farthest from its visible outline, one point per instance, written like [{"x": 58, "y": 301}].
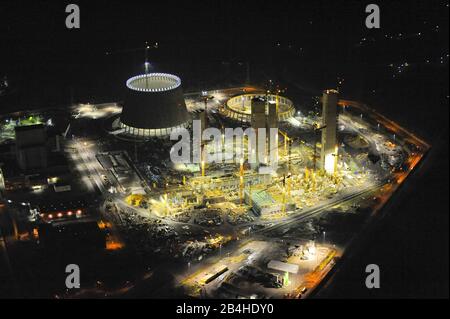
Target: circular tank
[{"x": 238, "y": 107}]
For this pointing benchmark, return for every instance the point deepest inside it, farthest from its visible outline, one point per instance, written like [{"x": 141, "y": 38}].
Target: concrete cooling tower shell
[{"x": 154, "y": 105}]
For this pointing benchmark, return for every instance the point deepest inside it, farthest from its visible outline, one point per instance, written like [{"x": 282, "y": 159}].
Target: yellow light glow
[{"x": 329, "y": 163}]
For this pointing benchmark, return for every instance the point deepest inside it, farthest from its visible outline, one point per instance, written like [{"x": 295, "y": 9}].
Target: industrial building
[
  {"x": 272, "y": 115},
  {"x": 264, "y": 115},
  {"x": 154, "y": 106},
  {"x": 283, "y": 267},
  {"x": 31, "y": 146},
  {"x": 262, "y": 203},
  {"x": 258, "y": 112},
  {"x": 258, "y": 121},
  {"x": 328, "y": 155}
]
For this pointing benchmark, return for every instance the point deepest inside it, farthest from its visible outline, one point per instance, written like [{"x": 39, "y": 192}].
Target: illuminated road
[
  {"x": 387, "y": 123},
  {"x": 88, "y": 152},
  {"x": 317, "y": 210},
  {"x": 91, "y": 163}
]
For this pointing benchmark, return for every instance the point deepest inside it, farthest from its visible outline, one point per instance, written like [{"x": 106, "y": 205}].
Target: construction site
[{"x": 237, "y": 227}]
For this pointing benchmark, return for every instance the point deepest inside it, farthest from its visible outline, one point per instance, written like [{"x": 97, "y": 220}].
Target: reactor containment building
[{"x": 154, "y": 106}]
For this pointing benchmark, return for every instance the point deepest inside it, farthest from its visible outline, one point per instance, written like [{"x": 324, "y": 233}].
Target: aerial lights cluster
[
  {"x": 69, "y": 213},
  {"x": 157, "y": 132},
  {"x": 173, "y": 82}
]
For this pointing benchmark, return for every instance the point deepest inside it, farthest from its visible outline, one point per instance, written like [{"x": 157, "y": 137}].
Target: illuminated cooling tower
[
  {"x": 238, "y": 108},
  {"x": 154, "y": 106}
]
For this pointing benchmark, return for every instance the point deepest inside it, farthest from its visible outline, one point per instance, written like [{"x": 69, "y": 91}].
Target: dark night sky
[
  {"x": 313, "y": 41},
  {"x": 301, "y": 44}
]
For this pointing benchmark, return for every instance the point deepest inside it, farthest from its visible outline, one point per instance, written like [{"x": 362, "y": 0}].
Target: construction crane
[
  {"x": 146, "y": 48},
  {"x": 286, "y": 140},
  {"x": 287, "y": 189},
  {"x": 241, "y": 181}
]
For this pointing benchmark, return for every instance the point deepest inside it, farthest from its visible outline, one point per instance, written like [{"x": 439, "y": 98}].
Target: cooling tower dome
[{"x": 154, "y": 105}]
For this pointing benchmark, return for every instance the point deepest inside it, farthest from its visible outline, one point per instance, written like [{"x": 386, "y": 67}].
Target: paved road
[
  {"x": 90, "y": 161},
  {"x": 319, "y": 209}
]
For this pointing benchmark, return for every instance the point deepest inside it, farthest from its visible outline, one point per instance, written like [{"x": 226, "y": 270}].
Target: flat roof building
[{"x": 31, "y": 146}]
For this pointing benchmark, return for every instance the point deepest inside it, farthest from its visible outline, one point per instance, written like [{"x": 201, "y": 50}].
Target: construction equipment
[{"x": 287, "y": 139}]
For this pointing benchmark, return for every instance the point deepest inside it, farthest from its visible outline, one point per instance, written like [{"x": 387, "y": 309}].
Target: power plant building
[
  {"x": 262, "y": 203},
  {"x": 31, "y": 146},
  {"x": 258, "y": 121},
  {"x": 258, "y": 113},
  {"x": 272, "y": 115}
]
